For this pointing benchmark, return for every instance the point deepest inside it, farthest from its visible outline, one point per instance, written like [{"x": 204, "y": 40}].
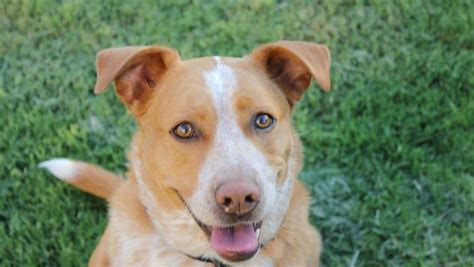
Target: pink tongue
[{"x": 237, "y": 239}]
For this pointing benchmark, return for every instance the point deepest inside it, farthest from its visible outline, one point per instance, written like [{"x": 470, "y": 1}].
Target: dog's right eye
[
  {"x": 263, "y": 121},
  {"x": 184, "y": 131}
]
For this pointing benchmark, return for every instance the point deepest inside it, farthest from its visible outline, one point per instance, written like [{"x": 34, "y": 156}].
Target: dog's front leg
[{"x": 100, "y": 257}]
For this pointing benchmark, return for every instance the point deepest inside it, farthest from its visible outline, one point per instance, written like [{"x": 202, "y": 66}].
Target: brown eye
[
  {"x": 184, "y": 130},
  {"x": 263, "y": 121}
]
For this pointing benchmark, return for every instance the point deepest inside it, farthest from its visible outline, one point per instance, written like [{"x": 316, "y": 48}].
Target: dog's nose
[{"x": 237, "y": 196}]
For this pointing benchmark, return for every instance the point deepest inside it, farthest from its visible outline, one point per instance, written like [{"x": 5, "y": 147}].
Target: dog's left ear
[
  {"x": 136, "y": 70},
  {"x": 291, "y": 65}
]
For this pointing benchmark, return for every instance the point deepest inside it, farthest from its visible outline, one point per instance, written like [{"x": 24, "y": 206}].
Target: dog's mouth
[{"x": 234, "y": 243}]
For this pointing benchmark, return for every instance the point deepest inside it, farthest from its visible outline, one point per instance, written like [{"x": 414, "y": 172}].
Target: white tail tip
[{"x": 64, "y": 169}]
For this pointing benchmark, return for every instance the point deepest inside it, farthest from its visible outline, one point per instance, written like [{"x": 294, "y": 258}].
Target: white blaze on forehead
[
  {"x": 230, "y": 144},
  {"x": 222, "y": 84},
  {"x": 220, "y": 80},
  {"x": 230, "y": 149}
]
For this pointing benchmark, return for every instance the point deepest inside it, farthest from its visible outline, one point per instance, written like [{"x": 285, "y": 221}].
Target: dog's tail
[{"x": 85, "y": 176}]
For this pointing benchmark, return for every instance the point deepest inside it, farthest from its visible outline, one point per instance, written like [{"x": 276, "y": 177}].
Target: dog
[{"x": 213, "y": 165}]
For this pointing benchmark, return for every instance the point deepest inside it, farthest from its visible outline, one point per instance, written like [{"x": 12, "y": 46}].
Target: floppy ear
[
  {"x": 292, "y": 64},
  {"x": 136, "y": 71}
]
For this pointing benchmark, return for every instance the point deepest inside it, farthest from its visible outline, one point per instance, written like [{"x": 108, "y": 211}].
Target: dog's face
[{"x": 215, "y": 156}]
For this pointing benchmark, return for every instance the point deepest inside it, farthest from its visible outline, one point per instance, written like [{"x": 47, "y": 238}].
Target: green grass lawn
[{"x": 389, "y": 151}]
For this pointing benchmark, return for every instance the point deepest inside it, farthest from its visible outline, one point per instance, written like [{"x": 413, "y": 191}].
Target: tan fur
[
  {"x": 95, "y": 180},
  {"x": 149, "y": 224}
]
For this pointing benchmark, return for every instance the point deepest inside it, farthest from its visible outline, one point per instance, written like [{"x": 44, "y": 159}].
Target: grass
[{"x": 389, "y": 151}]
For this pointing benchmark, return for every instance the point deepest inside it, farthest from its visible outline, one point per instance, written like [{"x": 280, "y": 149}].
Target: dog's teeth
[{"x": 258, "y": 233}]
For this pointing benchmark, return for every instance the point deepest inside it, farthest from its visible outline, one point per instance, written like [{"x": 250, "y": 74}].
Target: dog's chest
[{"x": 149, "y": 251}]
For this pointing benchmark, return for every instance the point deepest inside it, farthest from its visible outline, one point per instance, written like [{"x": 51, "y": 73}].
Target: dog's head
[{"x": 215, "y": 155}]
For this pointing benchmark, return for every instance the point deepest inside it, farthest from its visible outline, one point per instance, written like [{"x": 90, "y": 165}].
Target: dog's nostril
[
  {"x": 227, "y": 201},
  {"x": 249, "y": 199}
]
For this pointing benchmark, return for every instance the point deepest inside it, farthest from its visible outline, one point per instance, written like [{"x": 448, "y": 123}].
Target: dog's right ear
[
  {"x": 293, "y": 64},
  {"x": 136, "y": 71}
]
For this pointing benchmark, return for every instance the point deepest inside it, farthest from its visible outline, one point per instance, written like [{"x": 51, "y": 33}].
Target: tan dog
[{"x": 214, "y": 164}]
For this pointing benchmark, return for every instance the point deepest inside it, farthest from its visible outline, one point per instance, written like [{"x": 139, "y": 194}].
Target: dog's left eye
[
  {"x": 184, "y": 130},
  {"x": 263, "y": 121}
]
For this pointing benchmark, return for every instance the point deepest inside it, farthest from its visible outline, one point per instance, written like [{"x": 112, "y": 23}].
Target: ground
[{"x": 389, "y": 151}]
